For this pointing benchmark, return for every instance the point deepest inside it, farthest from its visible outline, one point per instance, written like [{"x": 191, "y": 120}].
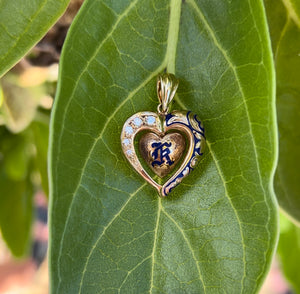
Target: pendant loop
[{"x": 167, "y": 85}]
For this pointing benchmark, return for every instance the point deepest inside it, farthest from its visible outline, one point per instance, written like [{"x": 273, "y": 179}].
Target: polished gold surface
[
  {"x": 167, "y": 85},
  {"x": 162, "y": 153}
]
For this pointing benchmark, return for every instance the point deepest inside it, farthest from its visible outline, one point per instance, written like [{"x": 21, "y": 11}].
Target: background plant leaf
[
  {"x": 1, "y": 96},
  {"x": 289, "y": 251},
  {"x": 217, "y": 231},
  {"x": 23, "y": 170},
  {"x": 284, "y": 22},
  {"x": 22, "y": 25},
  {"x": 41, "y": 135},
  {"x": 16, "y": 191}
]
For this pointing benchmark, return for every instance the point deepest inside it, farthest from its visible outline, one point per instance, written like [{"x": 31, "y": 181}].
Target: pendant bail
[{"x": 167, "y": 85}]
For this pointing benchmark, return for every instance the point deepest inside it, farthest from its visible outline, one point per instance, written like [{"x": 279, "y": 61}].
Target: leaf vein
[
  {"x": 154, "y": 244},
  {"x": 104, "y": 231},
  {"x": 189, "y": 245}
]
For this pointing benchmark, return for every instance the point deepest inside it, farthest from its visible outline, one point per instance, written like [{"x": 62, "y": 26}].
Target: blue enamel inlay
[
  {"x": 196, "y": 151},
  {"x": 161, "y": 153}
]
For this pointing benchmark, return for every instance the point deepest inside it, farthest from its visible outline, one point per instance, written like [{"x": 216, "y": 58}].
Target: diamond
[
  {"x": 129, "y": 152},
  {"x": 129, "y": 130},
  {"x": 137, "y": 121},
  {"x": 126, "y": 142},
  {"x": 150, "y": 120}
]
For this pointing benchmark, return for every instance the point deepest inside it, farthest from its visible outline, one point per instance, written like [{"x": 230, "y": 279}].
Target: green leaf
[
  {"x": 289, "y": 251},
  {"x": 109, "y": 230},
  {"x": 284, "y": 22},
  {"x": 41, "y": 134},
  {"x": 15, "y": 158},
  {"x": 15, "y": 192},
  {"x": 1, "y": 96},
  {"x": 22, "y": 25}
]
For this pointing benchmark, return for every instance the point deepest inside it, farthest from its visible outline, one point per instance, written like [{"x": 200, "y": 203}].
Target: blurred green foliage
[
  {"x": 24, "y": 121},
  {"x": 289, "y": 251},
  {"x": 284, "y": 24},
  {"x": 24, "y": 132}
]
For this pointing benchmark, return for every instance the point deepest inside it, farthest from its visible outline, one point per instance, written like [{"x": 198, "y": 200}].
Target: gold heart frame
[{"x": 183, "y": 121}]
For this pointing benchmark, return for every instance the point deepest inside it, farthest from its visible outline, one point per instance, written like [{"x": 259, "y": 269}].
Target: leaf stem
[
  {"x": 175, "y": 11},
  {"x": 291, "y": 12}
]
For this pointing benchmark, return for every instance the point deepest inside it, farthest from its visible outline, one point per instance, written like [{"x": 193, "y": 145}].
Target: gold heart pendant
[{"x": 167, "y": 139}]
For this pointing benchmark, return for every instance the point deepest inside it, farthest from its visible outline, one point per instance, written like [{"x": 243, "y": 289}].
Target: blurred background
[{"x": 26, "y": 98}]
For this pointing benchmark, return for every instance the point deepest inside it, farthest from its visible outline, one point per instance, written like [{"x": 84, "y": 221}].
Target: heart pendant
[{"x": 167, "y": 139}]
